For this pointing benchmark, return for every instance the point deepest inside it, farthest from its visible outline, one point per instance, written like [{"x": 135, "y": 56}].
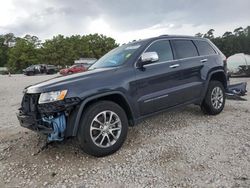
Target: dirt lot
[{"x": 183, "y": 148}]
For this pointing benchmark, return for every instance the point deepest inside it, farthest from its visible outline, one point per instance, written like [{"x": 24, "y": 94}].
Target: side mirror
[{"x": 147, "y": 58}]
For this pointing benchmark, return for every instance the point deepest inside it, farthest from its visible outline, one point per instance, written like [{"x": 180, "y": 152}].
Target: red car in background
[
  {"x": 80, "y": 65},
  {"x": 73, "y": 69}
]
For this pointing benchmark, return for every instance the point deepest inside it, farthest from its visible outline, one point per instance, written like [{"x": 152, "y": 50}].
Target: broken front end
[{"x": 47, "y": 113}]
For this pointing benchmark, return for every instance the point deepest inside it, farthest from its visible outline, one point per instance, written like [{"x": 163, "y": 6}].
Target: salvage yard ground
[{"x": 183, "y": 148}]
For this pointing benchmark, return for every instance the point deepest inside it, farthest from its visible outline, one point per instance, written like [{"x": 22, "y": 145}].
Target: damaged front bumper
[
  {"x": 49, "y": 118},
  {"x": 30, "y": 122}
]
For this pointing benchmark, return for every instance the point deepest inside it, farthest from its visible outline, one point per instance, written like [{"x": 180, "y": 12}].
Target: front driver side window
[{"x": 163, "y": 49}]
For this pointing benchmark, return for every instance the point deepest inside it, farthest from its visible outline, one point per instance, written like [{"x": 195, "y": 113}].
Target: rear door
[
  {"x": 208, "y": 55},
  {"x": 190, "y": 64}
]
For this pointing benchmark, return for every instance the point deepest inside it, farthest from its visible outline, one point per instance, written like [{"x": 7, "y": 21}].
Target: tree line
[
  {"x": 18, "y": 53},
  {"x": 230, "y": 42}
]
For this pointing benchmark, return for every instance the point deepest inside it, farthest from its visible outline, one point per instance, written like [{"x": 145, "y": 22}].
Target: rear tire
[
  {"x": 214, "y": 101},
  {"x": 103, "y": 128}
]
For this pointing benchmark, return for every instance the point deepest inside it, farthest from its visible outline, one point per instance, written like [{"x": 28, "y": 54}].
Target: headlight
[{"x": 52, "y": 96}]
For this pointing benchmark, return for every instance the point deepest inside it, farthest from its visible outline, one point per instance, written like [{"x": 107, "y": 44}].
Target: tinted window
[
  {"x": 204, "y": 48},
  {"x": 184, "y": 49},
  {"x": 163, "y": 50}
]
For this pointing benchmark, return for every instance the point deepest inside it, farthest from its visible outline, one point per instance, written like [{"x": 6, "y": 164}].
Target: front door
[{"x": 154, "y": 81}]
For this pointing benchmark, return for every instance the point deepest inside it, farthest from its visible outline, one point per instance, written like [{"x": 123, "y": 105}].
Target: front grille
[{"x": 29, "y": 103}]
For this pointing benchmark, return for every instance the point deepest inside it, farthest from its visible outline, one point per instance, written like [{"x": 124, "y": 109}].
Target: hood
[{"x": 66, "y": 82}]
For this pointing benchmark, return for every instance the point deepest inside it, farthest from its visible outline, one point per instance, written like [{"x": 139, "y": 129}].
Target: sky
[{"x": 123, "y": 20}]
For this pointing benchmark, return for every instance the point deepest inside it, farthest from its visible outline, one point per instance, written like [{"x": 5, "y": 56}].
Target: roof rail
[{"x": 165, "y": 35}]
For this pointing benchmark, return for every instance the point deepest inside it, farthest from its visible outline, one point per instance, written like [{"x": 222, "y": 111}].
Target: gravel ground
[{"x": 183, "y": 148}]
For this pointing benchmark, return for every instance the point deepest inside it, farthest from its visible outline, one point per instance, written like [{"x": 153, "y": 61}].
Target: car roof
[
  {"x": 179, "y": 37},
  {"x": 169, "y": 37}
]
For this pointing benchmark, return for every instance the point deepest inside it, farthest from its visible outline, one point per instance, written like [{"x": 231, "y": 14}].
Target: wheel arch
[
  {"x": 117, "y": 97},
  {"x": 215, "y": 75},
  {"x": 219, "y": 76}
]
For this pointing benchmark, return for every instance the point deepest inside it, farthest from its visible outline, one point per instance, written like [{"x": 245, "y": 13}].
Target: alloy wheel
[
  {"x": 105, "y": 129},
  {"x": 217, "y": 97}
]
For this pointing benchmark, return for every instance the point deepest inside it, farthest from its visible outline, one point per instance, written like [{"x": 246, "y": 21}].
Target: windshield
[{"x": 116, "y": 57}]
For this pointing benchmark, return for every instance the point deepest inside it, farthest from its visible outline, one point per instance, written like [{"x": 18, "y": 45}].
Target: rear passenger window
[
  {"x": 163, "y": 49},
  {"x": 184, "y": 49},
  {"x": 204, "y": 48}
]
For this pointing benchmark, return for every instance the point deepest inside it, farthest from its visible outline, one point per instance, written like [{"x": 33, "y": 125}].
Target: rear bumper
[{"x": 29, "y": 122}]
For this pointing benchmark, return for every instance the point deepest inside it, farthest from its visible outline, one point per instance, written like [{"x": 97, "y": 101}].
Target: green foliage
[
  {"x": 98, "y": 45},
  {"x": 3, "y": 51},
  {"x": 18, "y": 53},
  {"x": 209, "y": 34},
  {"x": 22, "y": 55},
  {"x": 231, "y": 43},
  {"x": 198, "y": 34},
  {"x": 64, "y": 50},
  {"x": 56, "y": 51}
]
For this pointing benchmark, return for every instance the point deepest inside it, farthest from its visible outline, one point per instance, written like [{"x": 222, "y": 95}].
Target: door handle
[
  {"x": 174, "y": 66},
  {"x": 204, "y": 60}
]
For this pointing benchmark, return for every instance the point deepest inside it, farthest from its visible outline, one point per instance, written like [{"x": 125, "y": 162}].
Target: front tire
[
  {"x": 214, "y": 101},
  {"x": 103, "y": 128}
]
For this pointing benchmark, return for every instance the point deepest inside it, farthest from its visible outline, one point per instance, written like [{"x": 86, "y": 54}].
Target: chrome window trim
[{"x": 174, "y": 60}]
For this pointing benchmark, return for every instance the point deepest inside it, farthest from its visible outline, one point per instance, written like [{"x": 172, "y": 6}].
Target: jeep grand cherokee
[{"x": 126, "y": 85}]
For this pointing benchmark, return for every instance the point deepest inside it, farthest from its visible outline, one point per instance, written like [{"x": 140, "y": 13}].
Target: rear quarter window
[
  {"x": 204, "y": 48},
  {"x": 184, "y": 49}
]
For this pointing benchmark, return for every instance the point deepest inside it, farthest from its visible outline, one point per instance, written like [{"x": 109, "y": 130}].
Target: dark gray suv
[{"x": 126, "y": 85}]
